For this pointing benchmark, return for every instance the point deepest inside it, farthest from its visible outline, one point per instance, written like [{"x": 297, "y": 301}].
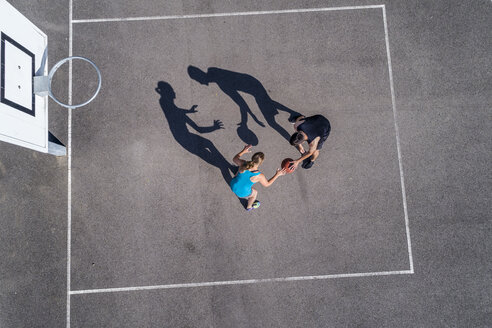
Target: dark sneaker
[{"x": 307, "y": 165}]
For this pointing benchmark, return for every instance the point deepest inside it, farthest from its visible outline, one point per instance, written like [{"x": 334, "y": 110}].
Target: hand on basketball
[
  {"x": 193, "y": 109},
  {"x": 281, "y": 171}
]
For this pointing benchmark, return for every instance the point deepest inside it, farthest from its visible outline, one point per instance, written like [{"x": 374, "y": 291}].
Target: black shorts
[{"x": 322, "y": 140}]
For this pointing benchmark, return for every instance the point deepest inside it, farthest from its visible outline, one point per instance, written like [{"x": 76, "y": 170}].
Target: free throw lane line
[
  {"x": 244, "y": 13},
  {"x": 240, "y": 282}
]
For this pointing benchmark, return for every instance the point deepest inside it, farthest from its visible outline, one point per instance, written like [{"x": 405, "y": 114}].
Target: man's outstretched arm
[{"x": 312, "y": 148}]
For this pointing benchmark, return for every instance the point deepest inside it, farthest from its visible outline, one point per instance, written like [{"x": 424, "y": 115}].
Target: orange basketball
[{"x": 287, "y": 165}]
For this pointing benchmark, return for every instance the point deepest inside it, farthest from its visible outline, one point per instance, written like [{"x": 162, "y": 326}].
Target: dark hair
[{"x": 296, "y": 139}]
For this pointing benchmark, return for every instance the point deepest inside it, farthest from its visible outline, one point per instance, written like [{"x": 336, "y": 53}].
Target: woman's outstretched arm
[{"x": 268, "y": 182}]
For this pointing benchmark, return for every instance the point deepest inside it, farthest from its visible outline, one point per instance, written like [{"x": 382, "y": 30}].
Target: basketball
[{"x": 286, "y": 164}]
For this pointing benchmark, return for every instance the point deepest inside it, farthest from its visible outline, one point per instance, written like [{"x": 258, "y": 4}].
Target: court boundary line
[
  {"x": 250, "y": 281},
  {"x": 240, "y": 282},
  {"x": 69, "y": 163},
  {"x": 397, "y": 133},
  {"x": 243, "y": 13}
]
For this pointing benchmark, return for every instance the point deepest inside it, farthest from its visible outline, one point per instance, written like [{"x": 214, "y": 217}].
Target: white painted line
[
  {"x": 250, "y": 281},
  {"x": 400, "y": 162},
  {"x": 245, "y": 13},
  {"x": 69, "y": 164},
  {"x": 240, "y": 282}
]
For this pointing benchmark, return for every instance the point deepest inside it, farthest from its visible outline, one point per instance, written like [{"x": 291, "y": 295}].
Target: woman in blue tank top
[{"x": 248, "y": 175}]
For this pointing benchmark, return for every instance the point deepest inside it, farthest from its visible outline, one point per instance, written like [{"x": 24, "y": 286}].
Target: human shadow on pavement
[
  {"x": 178, "y": 120},
  {"x": 231, "y": 83}
]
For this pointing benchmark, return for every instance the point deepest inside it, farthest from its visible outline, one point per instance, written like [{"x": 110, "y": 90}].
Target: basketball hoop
[{"x": 42, "y": 84}]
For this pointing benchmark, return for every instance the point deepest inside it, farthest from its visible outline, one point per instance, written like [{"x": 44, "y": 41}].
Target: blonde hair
[{"x": 256, "y": 159}]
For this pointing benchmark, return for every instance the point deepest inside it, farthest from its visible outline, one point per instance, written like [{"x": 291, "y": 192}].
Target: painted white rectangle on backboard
[
  {"x": 18, "y": 76},
  {"x": 23, "y": 117}
]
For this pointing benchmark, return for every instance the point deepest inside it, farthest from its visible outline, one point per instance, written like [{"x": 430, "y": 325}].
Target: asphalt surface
[{"x": 150, "y": 204}]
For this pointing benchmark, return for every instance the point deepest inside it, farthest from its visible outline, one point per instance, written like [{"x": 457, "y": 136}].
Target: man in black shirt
[{"x": 315, "y": 130}]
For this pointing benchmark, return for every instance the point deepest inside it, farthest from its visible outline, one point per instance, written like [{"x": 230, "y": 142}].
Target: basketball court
[{"x": 136, "y": 226}]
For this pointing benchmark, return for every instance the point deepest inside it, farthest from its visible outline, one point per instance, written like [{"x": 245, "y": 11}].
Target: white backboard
[{"x": 23, "y": 115}]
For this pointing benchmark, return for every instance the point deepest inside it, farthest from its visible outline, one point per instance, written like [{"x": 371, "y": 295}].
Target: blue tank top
[{"x": 241, "y": 184}]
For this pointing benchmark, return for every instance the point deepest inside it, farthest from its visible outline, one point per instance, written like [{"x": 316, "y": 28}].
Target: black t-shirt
[{"x": 315, "y": 126}]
